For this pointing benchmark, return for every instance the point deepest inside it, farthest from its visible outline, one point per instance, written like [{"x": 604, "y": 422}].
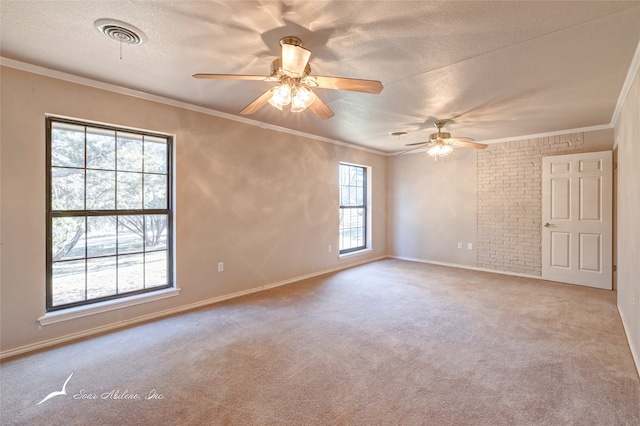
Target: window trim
[
  {"x": 50, "y": 214},
  {"x": 366, "y": 196},
  {"x": 76, "y": 312}
]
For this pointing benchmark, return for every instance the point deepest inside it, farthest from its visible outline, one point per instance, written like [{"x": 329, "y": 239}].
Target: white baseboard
[
  {"x": 473, "y": 268},
  {"x": 157, "y": 315},
  {"x": 634, "y": 352}
]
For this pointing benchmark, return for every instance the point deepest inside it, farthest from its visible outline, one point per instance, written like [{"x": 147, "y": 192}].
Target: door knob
[{"x": 547, "y": 225}]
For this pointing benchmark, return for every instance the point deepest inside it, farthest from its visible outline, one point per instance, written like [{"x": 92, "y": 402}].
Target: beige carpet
[{"x": 391, "y": 342}]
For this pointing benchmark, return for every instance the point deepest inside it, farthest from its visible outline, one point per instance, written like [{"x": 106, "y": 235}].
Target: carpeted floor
[{"x": 390, "y": 342}]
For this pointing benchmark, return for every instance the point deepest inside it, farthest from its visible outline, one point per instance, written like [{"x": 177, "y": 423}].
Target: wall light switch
[
  {"x": 469, "y": 246},
  {"x": 459, "y": 245}
]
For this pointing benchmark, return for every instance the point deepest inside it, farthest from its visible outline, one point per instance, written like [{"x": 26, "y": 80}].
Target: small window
[
  {"x": 109, "y": 219},
  {"x": 353, "y": 208}
]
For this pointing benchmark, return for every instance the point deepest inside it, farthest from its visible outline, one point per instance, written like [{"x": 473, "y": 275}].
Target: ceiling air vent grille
[{"x": 120, "y": 31}]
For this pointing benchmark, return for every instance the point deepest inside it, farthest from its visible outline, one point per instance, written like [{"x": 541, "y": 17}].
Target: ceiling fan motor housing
[
  {"x": 439, "y": 136},
  {"x": 278, "y": 71},
  {"x": 295, "y": 41}
]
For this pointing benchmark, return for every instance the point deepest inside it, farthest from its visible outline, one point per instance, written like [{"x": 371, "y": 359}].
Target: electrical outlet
[
  {"x": 220, "y": 266},
  {"x": 459, "y": 245},
  {"x": 469, "y": 246}
]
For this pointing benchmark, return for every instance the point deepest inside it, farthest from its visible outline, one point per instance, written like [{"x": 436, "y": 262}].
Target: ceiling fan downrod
[{"x": 440, "y": 135}]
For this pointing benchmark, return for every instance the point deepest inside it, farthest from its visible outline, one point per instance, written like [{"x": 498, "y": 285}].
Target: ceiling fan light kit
[
  {"x": 299, "y": 97},
  {"x": 281, "y": 96},
  {"x": 292, "y": 73},
  {"x": 440, "y": 144},
  {"x": 302, "y": 98},
  {"x": 439, "y": 150}
]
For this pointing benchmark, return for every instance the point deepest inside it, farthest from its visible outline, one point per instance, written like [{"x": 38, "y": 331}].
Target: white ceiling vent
[{"x": 120, "y": 31}]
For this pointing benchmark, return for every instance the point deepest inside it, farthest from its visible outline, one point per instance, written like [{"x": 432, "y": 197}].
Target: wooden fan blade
[
  {"x": 294, "y": 58},
  {"x": 409, "y": 150},
  {"x": 352, "y": 84},
  {"x": 463, "y": 139},
  {"x": 416, "y": 143},
  {"x": 320, "y": 109},
  {"x": 468, "y": 142},
  {"x": 258, "y": 103},
  {"x": 229, "y": 77}
]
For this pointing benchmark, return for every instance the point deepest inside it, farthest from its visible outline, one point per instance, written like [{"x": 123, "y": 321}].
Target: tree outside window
[
  {"x": 353, "y": 208},
  {"x": 108, "y": 213}
]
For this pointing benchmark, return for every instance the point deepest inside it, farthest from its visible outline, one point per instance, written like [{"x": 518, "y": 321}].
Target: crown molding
[
  {"x": 547, "y": 134},
  {"x": 631, "y": 74},
  {"x": 72, "y": 78},
  {"x": 23, "y": 66}
]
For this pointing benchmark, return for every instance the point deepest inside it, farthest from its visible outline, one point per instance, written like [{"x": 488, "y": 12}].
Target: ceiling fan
[
  {"x": 293, "y": 74},
  {"x": 441, "y": 143}
]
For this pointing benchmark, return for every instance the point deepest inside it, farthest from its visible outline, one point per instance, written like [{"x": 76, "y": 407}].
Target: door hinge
[{"x": 615, "y": 268}]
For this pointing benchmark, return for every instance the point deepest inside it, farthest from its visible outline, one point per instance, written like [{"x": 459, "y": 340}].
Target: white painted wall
[
  {"x": 263, "y": 202},
  {"x": 627, "y": 134},
  {"x": 433, "y": 206}
]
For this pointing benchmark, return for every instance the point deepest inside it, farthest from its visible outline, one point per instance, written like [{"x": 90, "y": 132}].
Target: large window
[
  {"x": 353, "y": 208},
  {"x": 108, "y": 213}
]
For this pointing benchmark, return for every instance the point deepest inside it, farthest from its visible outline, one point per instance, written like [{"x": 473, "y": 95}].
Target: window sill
[
  {"x": 355, "y": 253},
  {"x": 109, "y": 305}
]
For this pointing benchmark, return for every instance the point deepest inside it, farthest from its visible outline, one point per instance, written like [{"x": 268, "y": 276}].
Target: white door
[{"x": 577, "y": 219}]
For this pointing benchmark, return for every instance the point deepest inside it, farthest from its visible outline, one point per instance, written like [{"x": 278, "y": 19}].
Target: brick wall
[{"x": 510, "y": 201}]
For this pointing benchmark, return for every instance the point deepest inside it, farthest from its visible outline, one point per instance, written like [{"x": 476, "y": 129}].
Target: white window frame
[{"x": 368, "y": 247}]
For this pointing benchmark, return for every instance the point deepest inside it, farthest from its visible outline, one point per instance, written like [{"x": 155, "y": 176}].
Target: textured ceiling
[{"x": 496, "y": 69}]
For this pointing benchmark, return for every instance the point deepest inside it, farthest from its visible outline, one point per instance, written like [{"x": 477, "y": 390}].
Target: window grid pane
[
  {"x": 101, "y": 149},
  {"x": 67, "y": 145},
  {"x": 101, "y": 190},
  {"x": 67, "y": 188},
  {"x": 108, "y": 213},
  {"x": 353, "y": 212},
  {"x": 101, "y": 277},
  {"x": 69, "y": 282}
]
